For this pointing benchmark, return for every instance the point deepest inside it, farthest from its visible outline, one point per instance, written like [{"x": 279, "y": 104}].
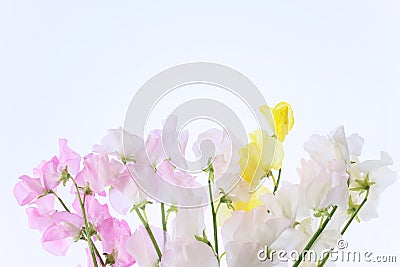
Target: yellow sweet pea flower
[
  {"x": 253, "y": 202},
  {"x": 246, "y": 202},
  {"x": 282, "y": 121},
  {"x": 259, "y": 156}
]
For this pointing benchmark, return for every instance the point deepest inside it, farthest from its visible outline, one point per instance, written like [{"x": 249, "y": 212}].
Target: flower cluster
[{"x": 68, "y": 198}]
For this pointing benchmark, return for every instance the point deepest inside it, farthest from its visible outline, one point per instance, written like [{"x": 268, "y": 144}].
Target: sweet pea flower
[
  {"x": 246, "y": 233},
  {"x": 125, "y": 193},
  {"x": 282, "y": 119},
  {"x": 122, "y": 144},
  {"x": 184, "y": 249},
  {"x": 47, "y": 175},
  {"x": 64, "y": 230},
  {"x": 167, "y": 144},
  {"x": 377, "y": 176},
  {"x": 139, "y": 245},
  {"x": 27, "y": 190},
  {"x": 326, "y": 240},
  {"x": 258, "y": 157},
  {"x": 68, "y": 158},
  {"x": 288, "y": 202},
  {"x": 114, "y": 234},
  {"x": 188, "y": 223},
  {"x": 95, "y": 212},
  {"x": 216, "y": 144},
  {"x": 249, "y": 200},
  {"x": 241, "y": 199},
  {"x": 96, "y": 172},
  {"x": 40, "y": 214},
  {"x": 335, "y": 146},
  {"x": 192, "y": 253},
  {"x": 324, "y": 187}
]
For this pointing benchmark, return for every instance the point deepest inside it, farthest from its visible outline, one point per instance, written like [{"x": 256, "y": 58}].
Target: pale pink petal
[
  {"x": 114, "y": 234},
  {"x": 27, "y": 189},
  {"x": 59, "y": 236},
  {"x": 69, "y": 158},
  {"x": 139, "y": 245},
  {"x": 50, "y": 176}
]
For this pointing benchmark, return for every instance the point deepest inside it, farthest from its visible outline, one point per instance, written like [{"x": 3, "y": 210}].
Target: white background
[{"x": 70, "y": 70}]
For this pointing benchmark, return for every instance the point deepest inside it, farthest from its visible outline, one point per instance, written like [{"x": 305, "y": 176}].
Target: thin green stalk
[
  {"x": 354, "y": 215},
  {"x": 164, "y": 223},
  {"x": 314, "y": 237},
  {"x": 214, "y": 214},
  {"x": 89, "y": 239},
  {"x": 98, "y": 255},
  {"x": 277, "y": 181},
  {"x": 163, "y": 220},
  {"x": 61, "y": 201},
  {"x": 148, "y": 229},
  {"x": 217, "y": 209}
]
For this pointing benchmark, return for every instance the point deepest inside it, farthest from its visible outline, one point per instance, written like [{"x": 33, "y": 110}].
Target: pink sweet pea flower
[
  {"x": 64, "y": 230},
  {"x": 48, "y": 173},
  {"x": 125, "y": 193},
  {"x": 114, "y": 234},
  {"x": 120, "y": 143},
  {"x": 27, "y": 189},
  {"x": 96, "y": 172},
  {"x": 69, "y": 158},
  {"x": 46, "y": 178},
  {"x": 167, "y": 143},
  {"x": 95, "y": 212},
  {"x": 166, "y": 171},
  {"x": 40, "y": 217},
  {"x": 139, "y": 245}
]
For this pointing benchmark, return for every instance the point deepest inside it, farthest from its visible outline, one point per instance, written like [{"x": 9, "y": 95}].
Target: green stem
[
  {"x": 163, "y": 218},
  {"x": 99, "y": 256},
  {"x": 61, "y": 201},
  {"x": 148, "y": 229},
  {"x": 314, "y": 237},
  {"x": 355, "y": 213},
  {"x": 214, "y": 214},
  {"x": 217, "y": 209},
  {"x": 164, "y": 223},
  {"x": 277, "y": 181},
  {"x": 322, "y": 263},
  {"x": 89, "y": 239}
]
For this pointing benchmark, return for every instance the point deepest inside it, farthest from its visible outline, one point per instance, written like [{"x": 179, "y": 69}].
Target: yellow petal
[
  {"x": 254, "y": 200},
  {"x": 283, "y": 119},
  {"x": 259, "y": 156}
]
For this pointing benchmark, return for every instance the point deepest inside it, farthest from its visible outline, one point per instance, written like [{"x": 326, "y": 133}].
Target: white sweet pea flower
[
  {"x": 246, "y": 233},
  {"x": 185, "y": 250},
  {"x": 335, "y": 146},
  {"x": 288, "y": 202},
  {"x": 188, "y": 223},
  {"x": 372, "y": 174},
  {"x": 122, "y": 144},
  {"x": 322, "y": 186},
  {"x": 325, "y": 241},
  {"x": 192, "y": 253}
]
